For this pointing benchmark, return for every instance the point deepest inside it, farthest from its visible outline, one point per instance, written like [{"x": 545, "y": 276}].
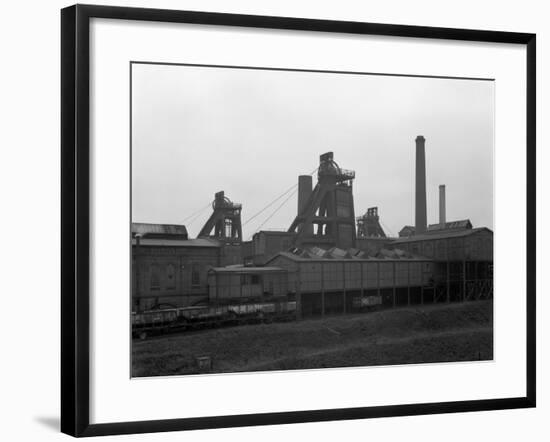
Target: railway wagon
[
  {"x": 160, "y": 321},
  {"x": 153, "y": 321}
]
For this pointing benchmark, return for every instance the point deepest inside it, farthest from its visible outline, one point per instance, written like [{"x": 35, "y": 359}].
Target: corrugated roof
[
  {"x": 159, "y": 229},
  {"x": 411, "y": 228},
  {"x": 161, "y": 242},
  {"x": 276, "y": 232},
  {"x": 244, "y": 269},
  {"x": 316, "y": 252},
  {"x": 337, "y": 253},
  {"x": 408, "y": 227},
  {"x": 405, "y": 257},
  {"x": 356, "y": 253},
  {"x": 451, "y": 225},
  {"x": 298, "y": 252},
  {"x": 441, "y": 235},
  {"x": 373, "y": 239},
  {"x": 436, "y": 228},
  {"x": 393, "y": 254}
]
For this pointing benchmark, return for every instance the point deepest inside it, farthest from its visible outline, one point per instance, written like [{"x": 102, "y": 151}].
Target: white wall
[{"x": 29, "y": 178}]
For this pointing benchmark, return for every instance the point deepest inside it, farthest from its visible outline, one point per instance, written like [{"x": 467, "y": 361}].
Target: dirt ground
[{"x": 422, "y": 334}]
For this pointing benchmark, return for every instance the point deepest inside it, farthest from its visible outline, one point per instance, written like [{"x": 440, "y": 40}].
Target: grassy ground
[{"x": 435, "y": 333}]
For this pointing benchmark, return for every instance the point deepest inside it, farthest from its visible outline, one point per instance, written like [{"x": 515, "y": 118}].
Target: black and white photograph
[
  {"x": 287, "y": 219},
  {"x": 275, "y": 221}
]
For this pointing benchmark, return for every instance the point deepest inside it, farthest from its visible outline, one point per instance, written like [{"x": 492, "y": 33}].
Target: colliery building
[
  {"x": 340, "y": 281},
  {"x": 328, "y": 261},
  {"x": 168, "y": 269},
  {"x": 462, "y": 261}
]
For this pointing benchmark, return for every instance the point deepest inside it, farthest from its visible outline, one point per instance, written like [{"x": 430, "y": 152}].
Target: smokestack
[
  {"x": 442, "y": 209},
  {"x": 420, "y": 209},
  {"x": 305, "y": 188}
]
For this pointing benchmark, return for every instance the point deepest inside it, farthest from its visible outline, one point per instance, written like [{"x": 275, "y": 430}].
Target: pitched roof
[
  {"x": 163, "y": 242},
  {"x": 441, "y": 235},
  {"x": 276, "y": 232},
  {"x": 459, "y": 224},
  {"x": 247, "y": 270},
  {"x": 408, "y": 227},
  {"x": 384, "y": 255},
  {"x": 165, "y": 230}
]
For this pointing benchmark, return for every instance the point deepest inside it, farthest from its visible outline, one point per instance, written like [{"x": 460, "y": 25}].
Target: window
[
  {"x": 228, "y": 228},
  {"x": 170, "y": 277},
  {"x": 250, "y": 279},
  {"x": 428, "y": 249},
  {"x": 195, "y": 275},
  {"x": 155, "y": 277}
]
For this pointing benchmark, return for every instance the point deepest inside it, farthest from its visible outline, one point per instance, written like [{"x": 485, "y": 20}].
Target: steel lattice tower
[
  {"x": 327, "y": 217},
  {"x": 368, "y": 225},
  {"x": 225, "y": 221}
]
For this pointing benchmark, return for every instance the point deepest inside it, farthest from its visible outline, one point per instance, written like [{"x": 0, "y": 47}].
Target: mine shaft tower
[
  {"x": 326, "y": 216},
  {"x": 225, "y": 221},
  {"x": 368, "y": 225}
]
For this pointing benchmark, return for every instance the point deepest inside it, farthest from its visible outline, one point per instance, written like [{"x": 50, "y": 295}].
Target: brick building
[{"x": 168, "y": 269}]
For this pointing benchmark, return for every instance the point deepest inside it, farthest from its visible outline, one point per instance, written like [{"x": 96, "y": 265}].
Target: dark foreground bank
[{"x": 435, "y": 333}]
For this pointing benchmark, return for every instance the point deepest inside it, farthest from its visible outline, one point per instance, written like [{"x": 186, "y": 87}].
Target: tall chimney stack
[
  {"x": 442, "y": 208},
  {"x": 305, "y": 188},
  {"x": 421, "y": 222}
]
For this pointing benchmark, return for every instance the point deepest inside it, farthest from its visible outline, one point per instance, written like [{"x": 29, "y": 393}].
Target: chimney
[
  {"x": 305, "y": 188},
  {"x": 442, "y": 209},
  {"x": 420, "y": 206}
]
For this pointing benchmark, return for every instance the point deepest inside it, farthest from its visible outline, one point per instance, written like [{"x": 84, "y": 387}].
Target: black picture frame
[{"x": 75, "y": 212}]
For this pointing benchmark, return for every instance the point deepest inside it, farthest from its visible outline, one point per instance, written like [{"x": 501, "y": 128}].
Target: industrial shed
[
  {"x": 239, "y": 283},
  {"x": 336, "y": 280},
  {"x": 451, "y": 245},
  {"x": 265, "y": 244},
  {"x": 463, "y": 260},
  {"x": 368, "y": 273}
]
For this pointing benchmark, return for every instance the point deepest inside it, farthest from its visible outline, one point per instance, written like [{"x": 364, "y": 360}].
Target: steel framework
[
  {"x": 225, "y": 221},
  {"x": 328, "y": 216}
]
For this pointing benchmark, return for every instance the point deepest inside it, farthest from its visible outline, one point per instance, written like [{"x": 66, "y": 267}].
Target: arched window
[
  {"x": 195, "y": 275},
  {"x": 170, "y": 277},
  {"x": 155, "y": 277}
]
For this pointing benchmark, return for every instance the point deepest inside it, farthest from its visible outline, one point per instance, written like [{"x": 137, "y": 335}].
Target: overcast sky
[{"x": 198, "y": 130}]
